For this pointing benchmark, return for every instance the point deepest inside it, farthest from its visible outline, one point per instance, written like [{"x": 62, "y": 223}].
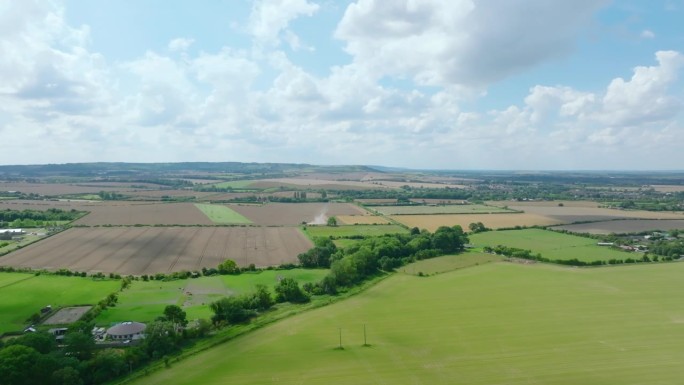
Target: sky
[{"x": 423, "y": 84}]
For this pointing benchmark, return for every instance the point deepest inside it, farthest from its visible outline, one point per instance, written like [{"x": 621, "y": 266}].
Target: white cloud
[
  {"x": 180, "y": 44},
  {"x": 460, "y": 42},
  {"x": 647, "y": 34},
  {"x": 269, "y": 19}
]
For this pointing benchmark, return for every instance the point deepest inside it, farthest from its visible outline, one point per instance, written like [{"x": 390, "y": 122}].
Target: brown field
[
  {"x": 377, "y": 201},
  {"x": 313, "y": 183},
  {"x": 581, "y": 211},
  {"x": 362, "y": 220},
  {"x": 279, "y": 214},
  {"x": 494, "y": 221},
  {"x": 149, "y": 250},
  {"x": 624, "y": 226},
  {"x": 55, "y": 189},
  {"x": 668, "y": 188}
]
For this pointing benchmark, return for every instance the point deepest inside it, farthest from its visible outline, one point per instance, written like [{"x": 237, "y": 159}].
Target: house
[
  {"x": 127, "y": 331},
  {"x": 59, "y": 333}
]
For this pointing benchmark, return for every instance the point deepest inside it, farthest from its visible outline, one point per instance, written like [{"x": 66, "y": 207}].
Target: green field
[
  {"x": 353, "y": 230},
  {"x": 498, "y": 323},
  {"x": 23, "y": 294},
  {"x": 447, "y": 263},
  {"x": 145, "y": 301},
  {"x": 550, "y": 244},
  {"x": 221, "y": 214},
  {"x": 445, "y": 209}
]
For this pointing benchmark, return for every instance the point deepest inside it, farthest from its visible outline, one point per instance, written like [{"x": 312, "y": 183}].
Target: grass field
[
  {"x": 447, "y": 263},
  {"x": 440, "y": 209},
  {"x": 221, "y": 214},
  {"x": 353, "y": 230},
  {"x": 145, "y": 301},
  {"x": 497, "y": 323},
  {"x": 550, "y": 244},
  {"x": 22, "y": 295}
]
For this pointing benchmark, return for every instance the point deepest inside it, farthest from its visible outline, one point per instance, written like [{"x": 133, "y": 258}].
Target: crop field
[
  {"x": 362, "y": 220},
  {"x": 149, "y": 250},
  {"x": 22, "y": 295},
  {"x": 550, "y": 244},
  {"x": 221, "y": 214},
  {"x": 447, "y": 263},
  {"x": 442, "y": 209},
  {"x": 279, "y": 214},
  {"x": 625, "y": 226},
  {"x": 145, "y": 301},
  {"x": 493, "y": 221},
  {"x": 56, "y": 189},
  {"x": 353, "y": 230},
  {"x": 668, "y": 188},
  {"x": 321, "y": 184},
  {"x": 585, "y": 211},
  {"x": 497, "y": 323}
]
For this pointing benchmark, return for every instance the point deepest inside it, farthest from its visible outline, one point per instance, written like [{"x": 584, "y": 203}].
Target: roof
[
  {"x": 13, "y": 231},
  {"x": 126, "y": 328}
]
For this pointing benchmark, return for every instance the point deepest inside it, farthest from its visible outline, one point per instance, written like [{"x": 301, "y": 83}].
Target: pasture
[
  {"x": 498, "y": 323},
  {"x": 447, "y": 263},
  {"x": 144, "y": 301},
  {"x": 221, "y": 214},
  {"x": 150, "y": 250},
  {"x": 550, "y": 244},
  {"x": 625, "y": 226},
  {"x": 439, "y": 209},
  {"x": 22, "y": 295},
  {"x": 362, "y": 220},
  {"x": 353, "y": 231}
]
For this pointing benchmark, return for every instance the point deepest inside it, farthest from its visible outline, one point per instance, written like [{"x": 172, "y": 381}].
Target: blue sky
[{"x": 440, "y": 84}]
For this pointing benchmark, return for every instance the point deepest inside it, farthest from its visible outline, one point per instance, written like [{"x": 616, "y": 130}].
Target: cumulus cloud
[
  {"x": 460, "y": 42},
  {"x": 269, "y": 20},
  {"x": 180, "y": 44}
]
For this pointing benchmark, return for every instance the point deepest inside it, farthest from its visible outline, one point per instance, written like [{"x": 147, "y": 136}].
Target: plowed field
[
  {"x": 279, "y": 214},
  {"x": 149, "y": 250}
]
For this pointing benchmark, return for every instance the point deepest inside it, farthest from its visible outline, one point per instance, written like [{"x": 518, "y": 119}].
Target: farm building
[
  {"x": 12, "y": 231},
  {"x": 127, "y": 331}
]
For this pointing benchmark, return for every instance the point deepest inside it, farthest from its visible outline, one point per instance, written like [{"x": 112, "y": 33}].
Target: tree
[
  {"x": 17, "y": 364},
  {"x": 66, "y": 376},
  {"x": 477, "y": 227},
  {"x": 228, "y": 267},
  {"x": 160, "y": 339},
  {"x": 260, "y": 299},
  {"x": 176, "y": 316},
  {"x": 288, "y": 290},
  {"x": 42, "y": 342},
  {"x": 106, "y": 365},
  {"x": 232, "y": 310},
  {"x": 79, "y": 345},
  {"x": 332, "y": 221}
]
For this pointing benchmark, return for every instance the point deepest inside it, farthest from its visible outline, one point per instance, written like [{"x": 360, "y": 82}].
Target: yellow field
[
  {"x": 493, "y": 221},
  {"x": 362, "y": 220},
  {"x": 574, "y": 211}
]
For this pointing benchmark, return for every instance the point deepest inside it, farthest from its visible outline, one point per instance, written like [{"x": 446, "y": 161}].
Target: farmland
[
  {"x": 448, "y": 263},
  {"x": 362, "y": 220},
  {"x": 353, "y": 230},
  {"x": 279, "y": 214},
  {"x": 624, "y": 226},
  {"x": 145, "y": 300},
  {"x": 149, "y": 250},
  {"x": 22, "y": 295},
  {"x": 492, "y": 324},
  {"x": 494, "y": 221},
  {"x": 221, "y": 214},
  {"x": 439, "y": 209},
  {"x": 549, "y": 244}
]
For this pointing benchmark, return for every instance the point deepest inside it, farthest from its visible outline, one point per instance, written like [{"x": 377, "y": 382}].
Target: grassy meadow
[
  {"x": 24, "y": 294},
  {"x": 550, "y": 244},
  {"x": 497, "y": 323},
  {"x": 447, "y": 263},
  {"x": 221, "y": 214},
  {"x": 145, "y": 300}
]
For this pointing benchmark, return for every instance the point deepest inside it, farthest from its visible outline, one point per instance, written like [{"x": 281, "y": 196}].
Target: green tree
[
  {"x": 79, "y": 346},
  {"x": 288, "y": 290},
  {"x": 17, "y": 365},
  {"x": 160, "y": 339},
  {"x": 42, "y": 342},
  {"x": 228, "y": 267},
  {"x": 175, "y": 315},
  {"x": 332, "y": 221},
  {"x": 66, "y": 376},
  {"x": 232, "y": 310}
]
